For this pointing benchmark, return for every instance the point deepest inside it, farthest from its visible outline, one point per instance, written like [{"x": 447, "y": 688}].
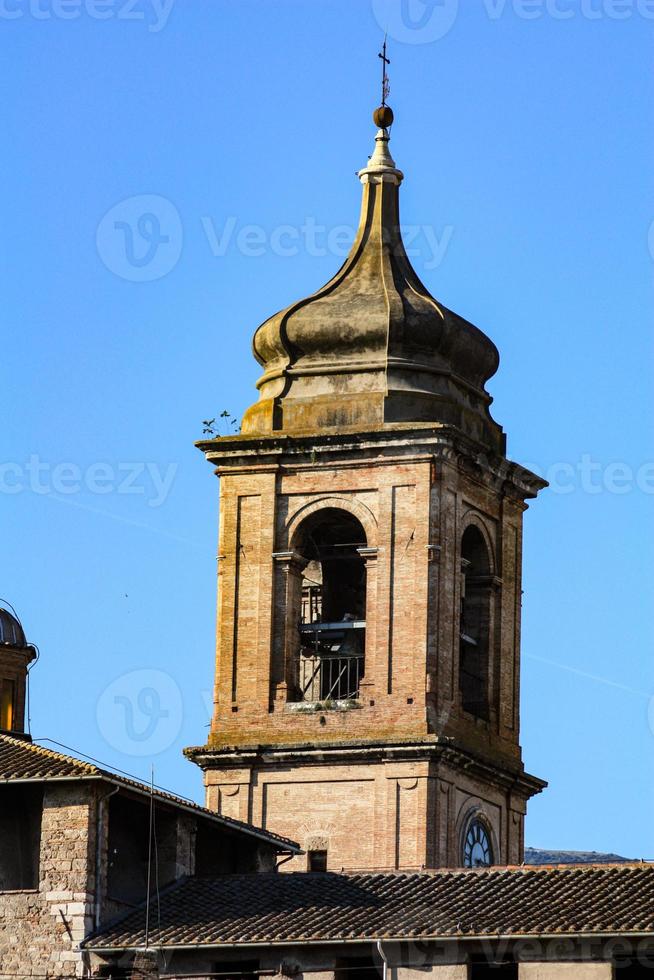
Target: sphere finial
[{"x": 383, "y": 117}]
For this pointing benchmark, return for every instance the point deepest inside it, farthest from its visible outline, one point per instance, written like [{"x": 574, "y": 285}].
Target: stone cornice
[
  {"x": 428, "y": 442},
  {"x": 434, "y": 749}
]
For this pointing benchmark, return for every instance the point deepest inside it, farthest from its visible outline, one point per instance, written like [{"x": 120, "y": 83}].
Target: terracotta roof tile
[
  {"x": 23, "y": 760},
  {"x": 292, "y": 908}
]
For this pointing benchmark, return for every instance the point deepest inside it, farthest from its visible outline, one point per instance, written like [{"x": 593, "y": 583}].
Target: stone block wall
[{"x": 40, "y": 930}]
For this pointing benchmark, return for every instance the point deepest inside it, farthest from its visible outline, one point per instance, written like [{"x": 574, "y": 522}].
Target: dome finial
[
  {"x": 383, "y": 116},
  {"x": 381, "y": 165}
]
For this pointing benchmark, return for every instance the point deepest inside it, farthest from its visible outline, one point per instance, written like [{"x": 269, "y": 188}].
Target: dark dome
[{"x": 11, "y": 632}]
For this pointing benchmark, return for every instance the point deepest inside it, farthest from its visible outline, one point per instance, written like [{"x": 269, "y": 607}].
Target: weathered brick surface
[
  {"x": 414, "y": 497},
  {"x": 388, "y": 815}
]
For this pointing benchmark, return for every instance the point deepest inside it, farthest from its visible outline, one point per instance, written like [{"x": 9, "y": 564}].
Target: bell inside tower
[{"x": 333, "y": 607}]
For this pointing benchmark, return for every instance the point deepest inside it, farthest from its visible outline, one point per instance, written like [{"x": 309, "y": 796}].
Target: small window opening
[
  {"x": 7, "y": 700},
  {"x": 317, "y": 861},
  {"x": 238, "y": 970},
  {"x": 474, "y": 625},
  {"x": 129, "y": 849},
  {"x": 21, "y": 808},
  {"x": 333, "y": 607},
  {"x": 635, "y": 969},
  {"x": 358, "y": 968},
  {"x": 483, "y": 970}
]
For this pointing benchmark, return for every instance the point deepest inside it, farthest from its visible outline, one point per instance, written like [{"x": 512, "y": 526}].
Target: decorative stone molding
[
  {"x": 349, "y": 504},
  {"x": 290, "y": 561},
  {"x": 369, "y": 555}
]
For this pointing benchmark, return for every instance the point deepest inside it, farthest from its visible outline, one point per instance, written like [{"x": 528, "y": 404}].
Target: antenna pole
[{"x": 151, "y": 824}]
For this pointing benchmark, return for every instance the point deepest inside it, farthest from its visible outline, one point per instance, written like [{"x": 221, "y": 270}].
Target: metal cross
[{"x": 386, "y": 85}]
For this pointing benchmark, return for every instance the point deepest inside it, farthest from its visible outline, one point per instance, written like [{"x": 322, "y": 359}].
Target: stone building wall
[
  {"x": 80, "y": 823},
  {"x": 40, "y": 929},
  {"x": 407, "y": 960}
]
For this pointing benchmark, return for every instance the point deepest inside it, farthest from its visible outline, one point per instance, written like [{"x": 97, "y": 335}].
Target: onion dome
[
  {"x": 373, "y": 348},
  {"x": 11, "y": 632}
]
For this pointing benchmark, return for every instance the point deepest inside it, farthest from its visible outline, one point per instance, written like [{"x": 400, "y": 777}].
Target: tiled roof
[
  {"x": 20, "y": 759},
  {"x": 25, "y": 761},
  {"x": 298, "y": 908}
]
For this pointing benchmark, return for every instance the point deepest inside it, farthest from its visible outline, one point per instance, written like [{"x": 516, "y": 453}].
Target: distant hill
[{"x": 536, "y": 855}]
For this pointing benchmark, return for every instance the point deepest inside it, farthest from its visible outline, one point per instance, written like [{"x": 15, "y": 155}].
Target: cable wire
[
  {"x": 150, "y": 836},
  {"x": 112, "y": 769}
]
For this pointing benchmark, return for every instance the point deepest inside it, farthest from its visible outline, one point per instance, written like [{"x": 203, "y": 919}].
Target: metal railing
[{"x": 329, "y": 678}]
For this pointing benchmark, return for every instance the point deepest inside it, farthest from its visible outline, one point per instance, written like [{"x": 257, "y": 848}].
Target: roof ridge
[{"x": 496, "y": 869}]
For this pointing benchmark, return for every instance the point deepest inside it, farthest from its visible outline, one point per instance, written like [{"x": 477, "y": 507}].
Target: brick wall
[
  {"x": 371, "y": 815},
  {"x": 413, "y": 514},
  {"x": 413, "y": 498}
]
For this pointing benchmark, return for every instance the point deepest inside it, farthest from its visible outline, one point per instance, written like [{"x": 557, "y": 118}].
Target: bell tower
[{"x": 369, "y": 576}]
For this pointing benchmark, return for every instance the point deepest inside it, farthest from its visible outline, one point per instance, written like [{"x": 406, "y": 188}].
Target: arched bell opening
[
  {"x": 332, "y": 615},
  {"x": 475, "y": 623}
]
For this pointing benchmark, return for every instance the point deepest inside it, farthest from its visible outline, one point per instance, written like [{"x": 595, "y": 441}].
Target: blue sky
[{"x": 232, "y": 130}]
